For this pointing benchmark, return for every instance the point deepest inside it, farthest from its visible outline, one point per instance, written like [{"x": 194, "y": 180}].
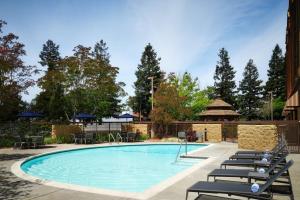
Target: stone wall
[
  {"x": 63, "y": 130},
  {"x": 214, "y": 131},
  {"x": 257, "y": 137}
]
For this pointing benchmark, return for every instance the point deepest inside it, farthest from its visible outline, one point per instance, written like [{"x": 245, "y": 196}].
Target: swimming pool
[{"x": 128, "y": 168}]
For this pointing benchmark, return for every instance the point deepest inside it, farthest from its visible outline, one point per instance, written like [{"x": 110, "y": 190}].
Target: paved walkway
[{"x": 12, "y": 187}]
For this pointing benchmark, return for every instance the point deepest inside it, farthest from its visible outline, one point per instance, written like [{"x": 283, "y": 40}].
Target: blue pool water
[{"x": 124, "y": 168}]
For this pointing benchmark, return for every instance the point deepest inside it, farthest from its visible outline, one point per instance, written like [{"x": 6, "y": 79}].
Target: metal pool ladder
[
  {"x": 183, "y": 140},
  {"x": 118, "y": 137}
]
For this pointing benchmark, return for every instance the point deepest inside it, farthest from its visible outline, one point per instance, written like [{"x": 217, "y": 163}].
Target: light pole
[
  {"x": 271, "y": 104},
  {"x": 152, "y": 100},
  {"x": 152, "y": 92}
]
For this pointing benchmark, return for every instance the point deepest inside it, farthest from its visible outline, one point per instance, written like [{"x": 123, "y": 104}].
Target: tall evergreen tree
[
  {"x": 276, "y": 74},
  {"x": 224, "y": 78},
  {"x": 51, "y": 100},
  {"x": 149, "y": 67},
  {"x": 250, "y": 90}
]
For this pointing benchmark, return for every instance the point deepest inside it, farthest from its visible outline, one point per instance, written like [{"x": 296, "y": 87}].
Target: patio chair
[
  {"x": 37, "y": 141},
  {"x": 253, "y": 163},
  {"x": 20, "y": 142},
  {"x": 200, "y": 136},
  {"x": 248, "y": 173},
  {"x": 78, "y": 138},
  {"x": 89, "y": 138},
  {"x": 131, "y": 137},
  {"x": 242, "y": 190},
  {"x": 124, "y": 136}
]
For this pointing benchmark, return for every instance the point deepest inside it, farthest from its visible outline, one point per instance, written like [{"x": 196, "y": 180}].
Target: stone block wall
[
  {"x": 214, "y": 131},
  {"x": 63, "y": 130},
  {"x": 257, "y": 137}
]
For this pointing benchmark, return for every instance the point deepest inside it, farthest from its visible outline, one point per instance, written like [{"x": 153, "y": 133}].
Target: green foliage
[
  {"x": 276, "y": 74},
  {"x": 90, "y": 82},
  {"x": 149, "y": 67},
  {"x": 224, "y": 79},
  {"x": 15, "y": 76},
  {"x": 51, "y": 100},
  {"x": 63, "y": 139},
  {"x": 85, "y": 82},
  {"x": 168, "y": 106},
  {"x": 278, "y": 105},
  {"x": 250, "y": 90},
  {"x": 187, "y": 87},
  {"x": 142, "y": 137},
  {"x": 49, "y": 140},
  {"x": 6, "y": 142}
]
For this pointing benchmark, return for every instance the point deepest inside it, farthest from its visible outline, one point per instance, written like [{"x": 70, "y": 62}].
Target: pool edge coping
[{"x": 148, "y": 193}]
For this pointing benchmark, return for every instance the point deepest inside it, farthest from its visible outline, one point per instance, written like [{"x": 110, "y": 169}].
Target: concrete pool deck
[{"x": 12, "y": 187}]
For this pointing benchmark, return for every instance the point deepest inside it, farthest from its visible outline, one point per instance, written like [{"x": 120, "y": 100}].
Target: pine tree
[
  {"x": 224, "y": 79},
  {"x": 100, "y": 52},
  {"x": 51, "y": 100},
  {"x": 149, "y": 67},
  {"x": 276, "y": 74},
  {"x": 250, "y": 92}
]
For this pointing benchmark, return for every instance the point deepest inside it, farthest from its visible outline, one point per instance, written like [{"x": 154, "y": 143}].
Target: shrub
[
  {"x": 6, "y": 142},
  {"x": 49, "y": 140},
  {"x": 64, "y": 139},
  {"x": 142, "y": 137}
]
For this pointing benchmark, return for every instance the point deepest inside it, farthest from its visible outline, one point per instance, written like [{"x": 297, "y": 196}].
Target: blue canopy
[
  {"x": 126, "y": 115},
  {"x": 29, "y": 115},
  {"x": 84, "y": 116}
]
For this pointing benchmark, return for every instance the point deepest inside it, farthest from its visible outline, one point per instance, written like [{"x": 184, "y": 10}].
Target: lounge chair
[
  {"x": 253, "y": 163},
  {"x": 257, "y": 156},
  {"x": 276, "y": 147},
  {"x": 247, "y": 173},
  {"x": 238, "y": 189}
]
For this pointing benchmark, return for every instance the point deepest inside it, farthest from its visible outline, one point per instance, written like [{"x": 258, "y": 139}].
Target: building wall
[
  {"x": 293, "y": 59},
  {"x": 257, "y": 137}
]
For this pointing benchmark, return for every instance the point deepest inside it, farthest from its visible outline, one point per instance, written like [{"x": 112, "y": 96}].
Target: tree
[
  {"x": 276, "y": 74},
  {"x": 91, "y": 82},
  {"x": 15, "y": 76},
  {"x": 224, "y": 79},
  {"x": 195, "y": 99},
  {"x": 51, "y": 101},
  {"x": 250, "y": 90},
  {"x": 168, "y": 106},
  {"x": 149, "y": 67}
]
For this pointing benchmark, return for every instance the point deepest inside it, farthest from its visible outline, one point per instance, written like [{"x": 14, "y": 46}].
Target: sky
[{"x": 186, "y": 34}]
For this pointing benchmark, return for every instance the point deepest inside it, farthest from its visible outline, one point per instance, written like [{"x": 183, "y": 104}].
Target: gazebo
[{"x": 219, "y": 110}]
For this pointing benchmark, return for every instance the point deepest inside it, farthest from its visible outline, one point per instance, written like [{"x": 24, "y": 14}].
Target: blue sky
[{"x": 186, "y": 34}]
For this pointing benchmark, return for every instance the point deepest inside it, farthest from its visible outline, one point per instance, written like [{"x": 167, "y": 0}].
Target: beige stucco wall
[
  {"x": 214, "y": 131},
  {"x": 257, "y": 137},
  {"x": 60, "y": 130},
  {"x": 141, "y": 128}
]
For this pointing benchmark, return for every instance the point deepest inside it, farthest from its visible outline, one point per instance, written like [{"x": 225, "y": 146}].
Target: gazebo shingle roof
[
  {"x": 219, "y": 113},
  {"x": 219, "y": 103},
  {"x": 219, "y": 108}
]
